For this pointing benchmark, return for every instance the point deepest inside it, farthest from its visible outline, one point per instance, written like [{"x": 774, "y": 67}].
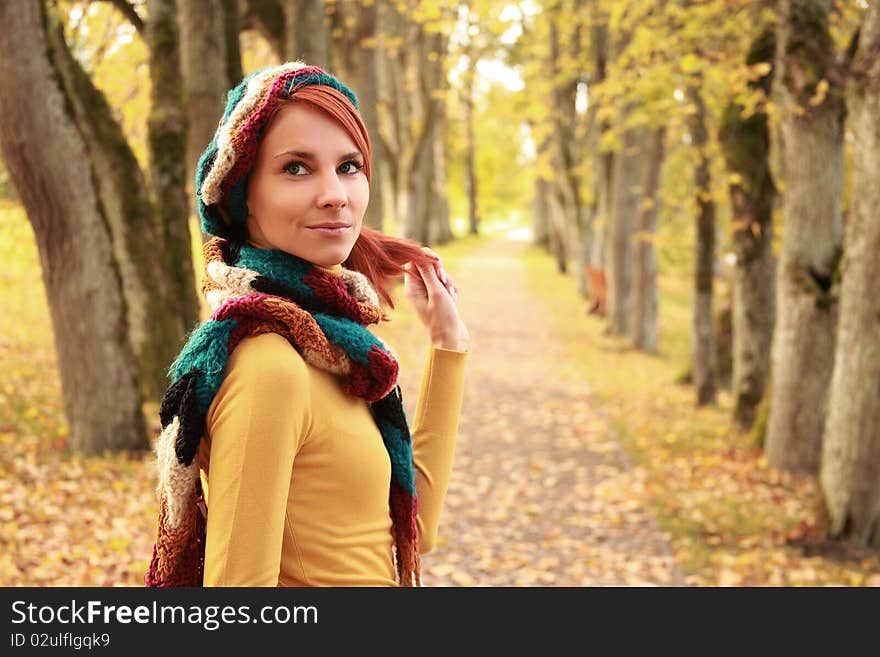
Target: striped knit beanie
[{"x": 224, "y": 168}]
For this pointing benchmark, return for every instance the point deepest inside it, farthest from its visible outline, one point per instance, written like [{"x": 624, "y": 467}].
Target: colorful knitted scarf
[{"x": 324, "y": 317}]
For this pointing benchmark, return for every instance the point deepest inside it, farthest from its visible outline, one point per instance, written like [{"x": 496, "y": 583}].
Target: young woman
[{"x": 286, "y": 458}]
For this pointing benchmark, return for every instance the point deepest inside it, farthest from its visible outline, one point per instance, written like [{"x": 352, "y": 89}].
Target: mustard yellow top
[{"x": 296, "y": 476}]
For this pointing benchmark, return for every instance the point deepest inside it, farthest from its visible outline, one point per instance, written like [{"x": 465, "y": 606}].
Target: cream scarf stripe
[{"x": 211, "y": 191}]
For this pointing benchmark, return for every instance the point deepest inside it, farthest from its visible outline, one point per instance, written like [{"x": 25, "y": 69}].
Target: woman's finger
[{"x": 430, "y": 277}]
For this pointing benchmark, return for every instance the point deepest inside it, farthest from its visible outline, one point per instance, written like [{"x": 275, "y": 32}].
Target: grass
[{"x": 731, "y": 519}]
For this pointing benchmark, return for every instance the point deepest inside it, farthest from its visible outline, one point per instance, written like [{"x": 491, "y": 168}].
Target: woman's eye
[
  {"x": 294, "y": 168},
  {"x": 351, "y": 167}
]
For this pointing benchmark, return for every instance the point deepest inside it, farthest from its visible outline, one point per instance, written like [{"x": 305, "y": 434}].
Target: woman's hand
[{"x": 433, "y": 294}]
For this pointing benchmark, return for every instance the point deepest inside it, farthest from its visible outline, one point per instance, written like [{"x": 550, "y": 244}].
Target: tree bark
[
  {"x": 566, "y": 149},
  {"x": 643, "y": 328},
  {"x": 406, "y": 116},
  {"x": 626, "y": 195},
  {"x": 559, "y": 242},
  {"x": 604, "y": 160},
  {"x": 166, "y": 137},
  {"x": 441, "y": 230},
  {"x": 470, "y": 165},
  {"x": 540, "y": 212},
  {"x": 850, "y": 464},
  {"x": 211, "y": 65},
  {"x": 306, "y": 34},
  {"x": 266, "y": 17},
  {"x": 157, "y": 315},
  {"x": 812, "y": 153},
  {"x": 746, "y": 146},
  {"x": 354, "y": 60},
  {"x": 703, "y": 329},
  {"x": 436, "y": 91},
  {"x": 48, "y": 161}
]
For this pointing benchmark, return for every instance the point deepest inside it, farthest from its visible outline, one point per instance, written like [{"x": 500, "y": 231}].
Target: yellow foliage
[
  {"x": 690, "y": 63},
  {"x": 821, "y": 91}
]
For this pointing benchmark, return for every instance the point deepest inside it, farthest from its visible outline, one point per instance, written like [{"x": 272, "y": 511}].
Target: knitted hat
[{"x": 224, "y": 168}]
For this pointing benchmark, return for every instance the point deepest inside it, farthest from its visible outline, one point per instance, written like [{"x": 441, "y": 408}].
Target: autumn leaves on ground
[{"x": 580, "y": 462}]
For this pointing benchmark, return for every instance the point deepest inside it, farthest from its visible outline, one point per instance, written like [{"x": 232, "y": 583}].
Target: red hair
[
  {"x": 377, "y": 256},
  {"x": 381, "y": 258}
]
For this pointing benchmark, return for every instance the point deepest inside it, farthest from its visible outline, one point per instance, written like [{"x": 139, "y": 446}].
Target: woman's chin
[{"x": 326, "y": 258}]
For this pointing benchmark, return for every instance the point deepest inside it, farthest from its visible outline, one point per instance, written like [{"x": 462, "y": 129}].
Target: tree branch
[{"x": 128, "y": 11}]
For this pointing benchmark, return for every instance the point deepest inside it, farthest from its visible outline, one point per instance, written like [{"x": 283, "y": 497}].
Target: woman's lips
[{"x": 338, "y": 230}]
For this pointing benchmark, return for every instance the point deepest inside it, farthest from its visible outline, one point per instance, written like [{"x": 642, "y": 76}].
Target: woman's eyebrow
[{"x": 305, "y": 155}]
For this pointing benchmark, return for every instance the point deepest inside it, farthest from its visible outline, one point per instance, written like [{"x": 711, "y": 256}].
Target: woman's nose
[{"x": 332, "y": 193}]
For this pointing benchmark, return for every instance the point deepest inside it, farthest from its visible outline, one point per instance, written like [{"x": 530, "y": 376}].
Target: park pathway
[{"x": 542, "y": 493}]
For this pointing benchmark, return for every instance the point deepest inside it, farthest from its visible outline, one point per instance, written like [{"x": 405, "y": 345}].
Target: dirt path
[{"x": 542, "y": 493}]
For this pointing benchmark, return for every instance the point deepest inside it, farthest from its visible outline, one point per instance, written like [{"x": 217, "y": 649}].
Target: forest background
[{"x": 695, "y": 179}]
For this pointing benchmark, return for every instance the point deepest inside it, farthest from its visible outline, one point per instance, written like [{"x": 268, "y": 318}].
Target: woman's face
[{"x": 308, "y": 174}]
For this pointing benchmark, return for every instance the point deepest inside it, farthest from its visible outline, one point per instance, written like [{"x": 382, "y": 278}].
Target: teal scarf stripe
[
  {"x": 400, "y": 450},
  {"x": 279, "y": 266},
  {"x": 324, "y": 80},
  {"x": 206, "y": 350},
  {"x": 210, "y": 224},
  {"x": 350, "y": 336},
  {"x": 237, "y": 203}
]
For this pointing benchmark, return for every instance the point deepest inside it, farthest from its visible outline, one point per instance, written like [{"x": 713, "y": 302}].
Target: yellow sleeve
[
  {"x": 434, "y": 432},
  {"x": 256, "y": 423}
]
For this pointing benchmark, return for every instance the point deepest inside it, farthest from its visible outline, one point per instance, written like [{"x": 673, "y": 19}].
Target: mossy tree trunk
[
  {"x": 603, "y": 161},
  {"x": 408, "y": 112},
  {"x": 470, "y": 141},
  {"x": 77, "y": 227},
  {"x": 850, "y": 464},
  {"x": 812, "y": 113},
  {"x": 563, "y": 67},
  {"x": 160, "y": 304},
  {"x": 625, "y": 198},
  {"x": 211, "y": 65},
  {"x": 166, "y": 137},
  {"x": 643, "y": 326},
  {"x": 746, "y": 146},
  {"x": 353, "y": 59},
  {"x": 703, "y": 321},
  {"x": 265, "y": 17},
  {"x": 540, "y": 212},
  {"x": 306, "y": 34}
]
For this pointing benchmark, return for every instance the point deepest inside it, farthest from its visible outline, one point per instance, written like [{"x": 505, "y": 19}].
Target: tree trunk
[
  {"x": 406, "y": 123},
  {"x": 306, "y": 35},
  {"x": 624, "y": 213},
  {"x": 48, "y": 162},
  {"x": 211, "y": 65},
  {"x": 441, "y": 230},
  {"x": 559, "y": 243},
  {"x": 812, "y": 143},
  {"x": 418, "y": 224},
  {"x": 354, "y": 60},
  {"x": 166, "y": 136},
  {"x": 267, "y": 18},
  {"x": 703, "y": 331},
  {"x": 470, "y": 164},
  {"x": 643, "y": 328},
  {"x": 850, "y": 470},
  {"x": 436, "y": 90},
  {"x": 540, "y": 214},
  {"x": 746, "y": 146},
  {"x": 156, "y": 314},
  {"x": 604, "y": 160},
  {"x": 567, "y": 154}
]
